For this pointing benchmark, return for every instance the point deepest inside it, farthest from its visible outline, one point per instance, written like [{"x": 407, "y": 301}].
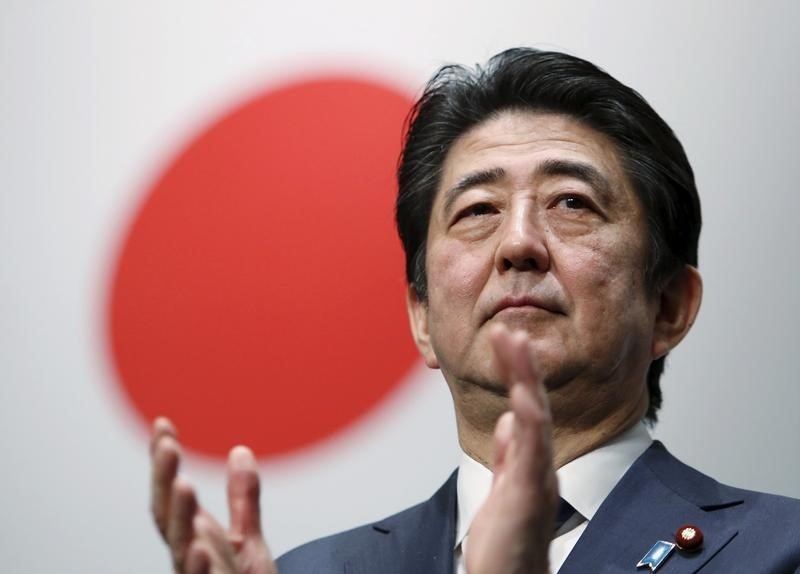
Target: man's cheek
[
  {"x": 588, "y": 270},
  {"x": 457, "y": 274}
]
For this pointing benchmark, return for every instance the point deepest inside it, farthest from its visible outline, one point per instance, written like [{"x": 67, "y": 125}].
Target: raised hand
[
  {"x": 198, "y": 543},
  {"x": 512, "y": 531}
]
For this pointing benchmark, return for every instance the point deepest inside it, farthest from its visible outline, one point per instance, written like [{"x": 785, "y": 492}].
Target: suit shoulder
[
  {"x": 327, "y": 554},
  {"x": 706, "y": 492},
  {"x": 366, "y": 543},
  {"x": 700, "y": 488},
  {"x": 767, "y": 525},
  {"x": 771, "y": 508},
  {"x": 337, "y": 548}
]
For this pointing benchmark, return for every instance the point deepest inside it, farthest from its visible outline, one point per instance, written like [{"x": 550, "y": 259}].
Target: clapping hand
[
  {"x": 512, "y": 531},
  {"x": 197, "y": 542},
  {"x": 510, "y": 534}
]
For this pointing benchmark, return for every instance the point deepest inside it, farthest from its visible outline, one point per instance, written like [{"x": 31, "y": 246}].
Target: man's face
[{"x": 536, "y": 226}]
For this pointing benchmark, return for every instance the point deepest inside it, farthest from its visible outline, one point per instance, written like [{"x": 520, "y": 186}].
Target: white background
[{"x": 95, "y": 96}]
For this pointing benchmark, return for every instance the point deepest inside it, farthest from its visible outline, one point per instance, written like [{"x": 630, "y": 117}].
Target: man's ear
[
  {"x": 679, "y": 303},
  {"x": 418, "y": 320}
]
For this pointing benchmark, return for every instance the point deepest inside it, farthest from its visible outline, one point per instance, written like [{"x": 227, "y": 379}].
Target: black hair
[{"x": 458, "y": 98}]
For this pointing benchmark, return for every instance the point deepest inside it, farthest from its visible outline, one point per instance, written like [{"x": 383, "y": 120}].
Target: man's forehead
[{"x": 527, "y": 137}]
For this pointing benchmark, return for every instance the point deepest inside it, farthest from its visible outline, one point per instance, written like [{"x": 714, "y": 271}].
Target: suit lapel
[
  {"x": 420, "y": 540},
  {"x": 656, "y": 496}
]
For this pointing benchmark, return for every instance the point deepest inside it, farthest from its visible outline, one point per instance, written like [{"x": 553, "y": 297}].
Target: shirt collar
[
  {"x": 584, "y": 482},
  {"x": 472, "y": 487}
]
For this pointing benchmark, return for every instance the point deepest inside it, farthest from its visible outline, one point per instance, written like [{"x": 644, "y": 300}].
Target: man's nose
[{"x": 522, "y": 242}]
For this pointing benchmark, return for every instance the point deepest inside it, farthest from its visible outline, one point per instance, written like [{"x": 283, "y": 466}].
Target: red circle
[{"x": 258, "y": 294}]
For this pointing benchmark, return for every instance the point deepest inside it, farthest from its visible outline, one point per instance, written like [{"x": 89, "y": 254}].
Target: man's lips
[{"x": 525, "y": 302}]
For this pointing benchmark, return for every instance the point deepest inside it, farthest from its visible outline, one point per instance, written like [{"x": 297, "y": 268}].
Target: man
[{"x": 550, "y": 222}]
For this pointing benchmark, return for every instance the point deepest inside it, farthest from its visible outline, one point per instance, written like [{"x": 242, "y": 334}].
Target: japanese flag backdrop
[{"x": 196, "y": 221}]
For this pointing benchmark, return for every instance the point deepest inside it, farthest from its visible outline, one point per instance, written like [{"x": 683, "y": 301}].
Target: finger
[
  {"x": 515, "y": 360},
  {"x": 502, "y": 346},
  {"x": 243, "y": 495},
  {"x": 531, "y": 440},
  {"x": 534, "y": 375},
  {"x": 531, "y": 424},
  {"x": 514, "y": 357},
  {"x": 162, "y": 426},
  {"x": 165, "y": 462},
  {"x": 523, "y": 360},
  {"x": 529, "y": 404},
  {"x": 198, "y": 560},
  {"x": 180, "y": 531},
  {"x": 210, "y": 536},
  {"x": 524, "y": 372},
  {"x": 530, "y": 433},
  {"x": 502, "y": 437}
]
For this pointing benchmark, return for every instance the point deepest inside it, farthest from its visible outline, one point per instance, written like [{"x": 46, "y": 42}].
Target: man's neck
[{"x": 574, "y": 434}]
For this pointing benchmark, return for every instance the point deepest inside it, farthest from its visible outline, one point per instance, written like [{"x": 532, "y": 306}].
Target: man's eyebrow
[
  {"x": 476, "y": 178},
  {"x": 579, "y": 170}
]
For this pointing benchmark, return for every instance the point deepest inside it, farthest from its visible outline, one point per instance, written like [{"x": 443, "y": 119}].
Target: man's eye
[
  {"x": 572, "y": 202},
  {"x": 477, "y": 210}
]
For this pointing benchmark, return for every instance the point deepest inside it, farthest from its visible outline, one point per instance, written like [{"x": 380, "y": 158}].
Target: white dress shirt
[{"x": 584, "y": 482}]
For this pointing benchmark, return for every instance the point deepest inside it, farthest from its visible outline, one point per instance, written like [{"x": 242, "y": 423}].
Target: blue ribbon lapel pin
[{"x": 657, "y": 555}]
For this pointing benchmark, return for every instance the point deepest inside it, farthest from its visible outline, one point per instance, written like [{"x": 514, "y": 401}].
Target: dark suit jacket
[{"x": 744, "y": 531}]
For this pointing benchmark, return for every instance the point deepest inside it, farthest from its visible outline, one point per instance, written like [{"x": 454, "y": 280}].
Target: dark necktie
[{"x": 565, "y": 511}]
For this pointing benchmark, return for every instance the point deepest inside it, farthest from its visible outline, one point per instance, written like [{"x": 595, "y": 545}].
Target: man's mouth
[{"x": 524, "y": 304}]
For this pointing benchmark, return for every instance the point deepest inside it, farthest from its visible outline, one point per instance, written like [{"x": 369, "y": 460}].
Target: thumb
[{"x": 243, "y": 495}]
